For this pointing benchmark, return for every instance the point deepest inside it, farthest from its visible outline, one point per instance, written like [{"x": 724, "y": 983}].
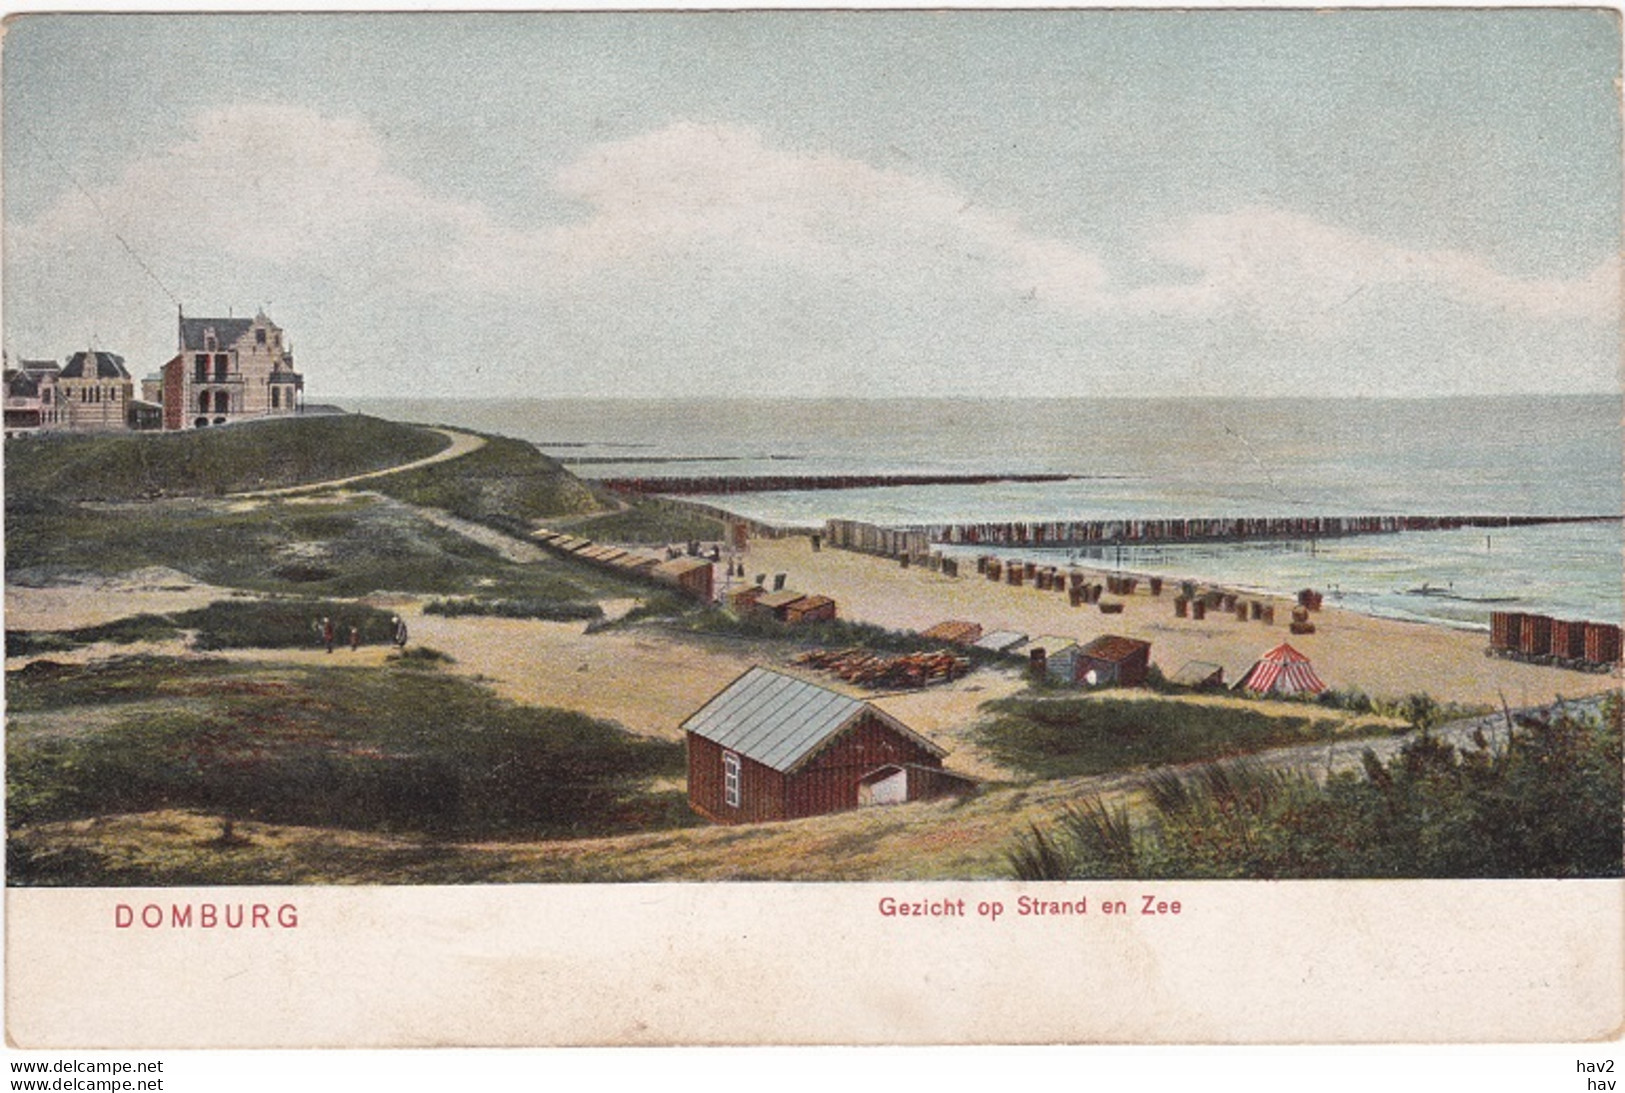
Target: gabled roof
[
  {"x": 95, "y": 365},
  {"x": 781, "y": 722},
  {"x": 226, "y": 332}
]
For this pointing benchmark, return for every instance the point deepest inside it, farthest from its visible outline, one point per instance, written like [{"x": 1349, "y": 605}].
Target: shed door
[{"x": 890, "y": 790}]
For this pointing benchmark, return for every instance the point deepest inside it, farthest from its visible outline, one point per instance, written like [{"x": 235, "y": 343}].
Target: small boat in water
[{"x": 1451, "y": 594}]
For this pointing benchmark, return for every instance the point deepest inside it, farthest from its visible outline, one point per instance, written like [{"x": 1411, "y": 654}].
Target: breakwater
[
  {"x": 1073, "y": 533},
  {"x": 774, "y": 483}
]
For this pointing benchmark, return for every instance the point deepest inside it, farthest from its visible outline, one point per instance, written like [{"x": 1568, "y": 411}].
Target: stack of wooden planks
[{"x": 878, "y": 671}]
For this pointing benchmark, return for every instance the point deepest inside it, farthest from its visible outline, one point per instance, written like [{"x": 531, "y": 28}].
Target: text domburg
[{"x": 206, "y": 916}]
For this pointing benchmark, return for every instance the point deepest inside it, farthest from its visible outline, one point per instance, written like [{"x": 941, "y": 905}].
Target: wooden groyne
[
  {"x": 786, "y": 482},
  {"x": 1076, "y": 533}
]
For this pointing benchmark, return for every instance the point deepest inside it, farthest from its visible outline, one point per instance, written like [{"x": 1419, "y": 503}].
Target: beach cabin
[
  {"x": 1059, "y": 656},
  {"x": 1111, "y": 660},
  {"x": 691, "y": 575},
  {"x": 810, "y": 609},
  {"x": 1200, "y": 675},
  {"x": 1001, "y": 641},
  {"x": 773, "y": 747},
  {"x": 778, "y": 604}
]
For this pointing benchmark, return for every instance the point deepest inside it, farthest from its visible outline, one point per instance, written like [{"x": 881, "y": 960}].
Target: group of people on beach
[{"x": 329, "y": 633}]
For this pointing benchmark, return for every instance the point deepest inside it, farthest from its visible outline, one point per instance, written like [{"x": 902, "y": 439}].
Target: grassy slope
[
  {"x": 210, "y": 462},
  {"x": 650, "y": 522},
  {"x": 337, "y": 548},
  {"x": 507, "y": 484},
  {"x": 1073, "y": 736},
  {"x": 342, "y": 548},
  {"x": 392, "y": 750}
]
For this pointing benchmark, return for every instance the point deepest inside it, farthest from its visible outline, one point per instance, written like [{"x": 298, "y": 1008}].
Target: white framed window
[{"x": 730, "y": 779}]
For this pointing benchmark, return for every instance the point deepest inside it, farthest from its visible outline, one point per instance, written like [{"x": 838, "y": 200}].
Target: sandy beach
[
  {"x": 1383, "y": 657},
  {"x": 649, "y": 681}
]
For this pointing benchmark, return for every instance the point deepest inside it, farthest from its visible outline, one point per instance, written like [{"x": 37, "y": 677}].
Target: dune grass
[
  {"x": 316, "y": 548},
  {"x": 257, "y": 455},
  {"x": 1545, "y": 803},
  {"x": 1066, "y": 737},
  {"x": 648, "y": 522},
  {"x": 507, "y": 484},
  {"x": 396, "y": 749}
]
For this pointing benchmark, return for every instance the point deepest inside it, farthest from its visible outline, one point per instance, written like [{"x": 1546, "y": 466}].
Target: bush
[
  {"x": 1063, "y": 737},
  {"x": 375, "y": 749},
  {"x": 1547, "y": 803},
  {"x": 283, "y": 624},
  {"x": 516, "y": 609}
]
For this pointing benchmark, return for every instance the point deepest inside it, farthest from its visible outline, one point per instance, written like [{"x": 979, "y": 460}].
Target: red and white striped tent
[{"x": 1282, "y": 670}]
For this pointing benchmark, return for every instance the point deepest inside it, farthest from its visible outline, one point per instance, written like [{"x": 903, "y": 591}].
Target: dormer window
[{"x": 259, "y": 336}]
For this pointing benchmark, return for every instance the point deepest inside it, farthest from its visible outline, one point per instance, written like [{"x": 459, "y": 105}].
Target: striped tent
[{"x": 1282, "y": 670}]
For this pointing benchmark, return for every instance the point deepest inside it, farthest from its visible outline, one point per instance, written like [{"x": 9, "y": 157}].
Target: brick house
[{"x": 229, "y": 370}]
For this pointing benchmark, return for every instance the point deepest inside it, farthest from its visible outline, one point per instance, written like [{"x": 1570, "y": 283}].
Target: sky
[{"x": 815, "y": 204}]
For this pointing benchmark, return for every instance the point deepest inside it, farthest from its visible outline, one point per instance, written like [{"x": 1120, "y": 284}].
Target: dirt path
[
  {"x": 461, "y": 445},
  {"x": 511, "y": 549}
]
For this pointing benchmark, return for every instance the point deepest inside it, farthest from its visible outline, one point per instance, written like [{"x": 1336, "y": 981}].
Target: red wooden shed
[
  {"x": 773, "y": 747},
  {"x": 1116, "y": 660}
]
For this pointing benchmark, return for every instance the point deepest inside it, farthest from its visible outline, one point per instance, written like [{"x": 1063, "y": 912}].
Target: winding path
[{"x": 461, "y": 444}]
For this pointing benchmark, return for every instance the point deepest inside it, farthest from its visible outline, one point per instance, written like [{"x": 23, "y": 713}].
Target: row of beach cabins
[
  {"x": 692, "y": 572},
  {"x": 1540, "y": 639},
  {"x": 689, "y": 572}
]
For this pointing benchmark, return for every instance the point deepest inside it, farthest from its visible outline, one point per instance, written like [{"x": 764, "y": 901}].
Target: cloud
[
  {"x": 262, "y": 182},
  {"x": 708, "y": 194},
  {"x": 717, "y": 250},
  {"x": 1289, "y": 271}
]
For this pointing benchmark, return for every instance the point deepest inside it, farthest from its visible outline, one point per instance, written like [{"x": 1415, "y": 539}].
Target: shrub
[
  {"x": 551, "y": 610},
  {"x": 1546, "y": 803}
]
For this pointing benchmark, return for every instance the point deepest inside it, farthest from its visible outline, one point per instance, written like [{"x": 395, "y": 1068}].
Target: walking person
[
  {"x": 327, "y": 633},
  {"x": 355, "y": 638},
  {"x": 399, "y": 637}
]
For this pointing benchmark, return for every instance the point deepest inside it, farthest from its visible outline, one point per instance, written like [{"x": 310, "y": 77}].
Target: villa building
[{"x": 229, "y": 370}]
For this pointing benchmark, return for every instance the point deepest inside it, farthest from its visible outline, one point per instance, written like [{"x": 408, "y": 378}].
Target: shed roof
[
  {"x": 679, "y": 566},
  {"x": 1052, "y": 644},
  {"x": 1114, "y": 649},
  {"x": 1197, "y": 672},
  {"x": 1001, "y": 640},
  {"x": 780, "y": 721},
  {"x": 779, "y": 599}
]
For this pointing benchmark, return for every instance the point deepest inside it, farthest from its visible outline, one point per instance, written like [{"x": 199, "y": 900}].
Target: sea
[{"x": 1147, "y": 458}]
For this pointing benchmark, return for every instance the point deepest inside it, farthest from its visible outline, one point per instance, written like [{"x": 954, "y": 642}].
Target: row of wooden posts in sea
[
  {"x": 1073, "y": 533},
  {"x": 918, "y": 540},
  {"x": 1541, "y": 639}
]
